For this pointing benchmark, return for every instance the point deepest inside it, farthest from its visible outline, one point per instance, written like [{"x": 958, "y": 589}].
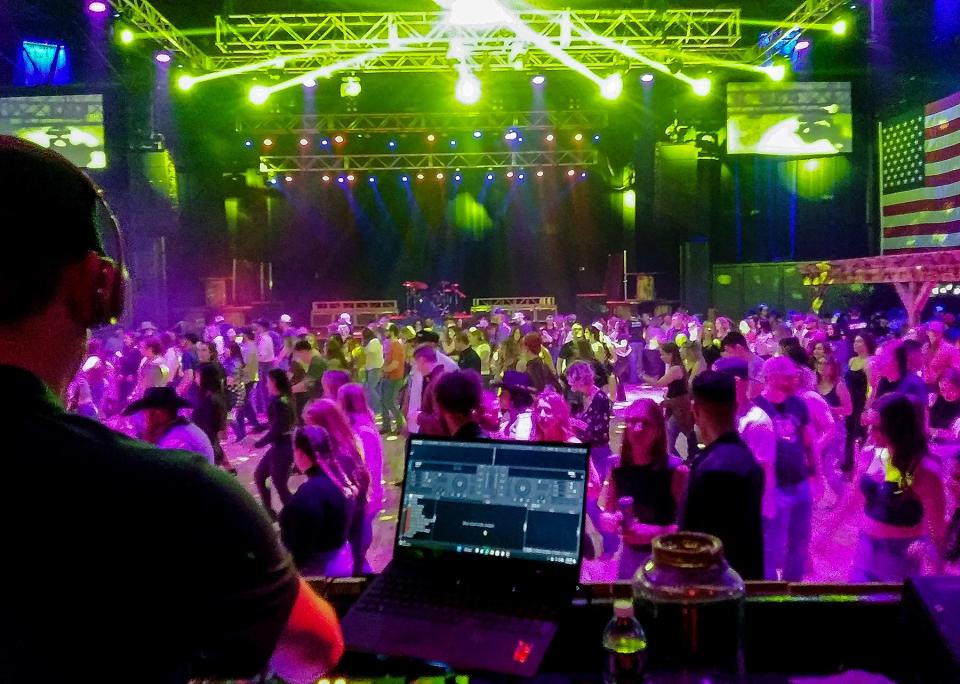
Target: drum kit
[{"x": 439, "y": 302}]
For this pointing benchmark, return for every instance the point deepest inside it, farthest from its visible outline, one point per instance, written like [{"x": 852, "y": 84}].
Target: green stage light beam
[
  {"x": 273, "y": 62},
  {"x": 630, "y": 53},
  {"x": 527, "y": 34}
]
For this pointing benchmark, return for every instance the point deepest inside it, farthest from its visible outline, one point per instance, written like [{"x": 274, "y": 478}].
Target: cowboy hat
[
  {"x": 515, "y": 381},
  {"x": 157, "y": 398}
]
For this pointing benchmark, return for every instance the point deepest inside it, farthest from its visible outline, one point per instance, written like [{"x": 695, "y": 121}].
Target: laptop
[{"x": 486, "y": 557}]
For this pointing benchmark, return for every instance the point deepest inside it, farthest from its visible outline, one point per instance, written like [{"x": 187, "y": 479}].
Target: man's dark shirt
[
  {"x": 723, "y": 499},
  {"x": 127, "y": 563},
  {"x": 469, "y": 360},
  {"x": 470, "y": 431}
]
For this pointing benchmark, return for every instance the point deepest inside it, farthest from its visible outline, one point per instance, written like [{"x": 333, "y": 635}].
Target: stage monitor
[
  {"x": 70, "y": 124},
  {"x": 789, "y": 119}
]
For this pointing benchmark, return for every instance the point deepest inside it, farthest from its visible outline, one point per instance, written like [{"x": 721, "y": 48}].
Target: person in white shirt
[
  {"x": 373, "y": 365},
  {"x": 415, "y": 381},
  {"x": 163, "y": 426},
  {"x": 266, "y": 356},
  {"x": 516, "y": 405}
]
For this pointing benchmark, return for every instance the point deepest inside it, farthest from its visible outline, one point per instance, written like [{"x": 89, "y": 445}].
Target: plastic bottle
[{"x": 626, "y": 646}]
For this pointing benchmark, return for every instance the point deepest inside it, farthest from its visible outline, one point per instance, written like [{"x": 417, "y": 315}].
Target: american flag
[{"x": 920, "y": 179}]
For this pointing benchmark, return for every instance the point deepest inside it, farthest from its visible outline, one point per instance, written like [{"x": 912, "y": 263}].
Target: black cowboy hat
[
  {"x": 515, "y": 381},
  {"x": 157, "y": 397}
]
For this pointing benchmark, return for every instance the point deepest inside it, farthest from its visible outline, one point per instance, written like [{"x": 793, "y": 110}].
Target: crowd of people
[{"x": 820, "y": 405}]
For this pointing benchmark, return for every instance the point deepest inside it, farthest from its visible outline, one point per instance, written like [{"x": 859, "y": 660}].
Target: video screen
[
  {"x": 70, "y": 124},
  {"x": 789, "y": 120}
]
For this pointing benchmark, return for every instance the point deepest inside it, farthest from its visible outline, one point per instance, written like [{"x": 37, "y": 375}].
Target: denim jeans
[
  {"x": 263, "y": 392},
  {"x": 390, "y": 403},
  {"x": 371, "y": 383},
  {"x": 884, "y": 560},
  {"x": 787, "y": 535},
  {"x": 831, "y": 461},
  {"x": 246, "y": 412}
]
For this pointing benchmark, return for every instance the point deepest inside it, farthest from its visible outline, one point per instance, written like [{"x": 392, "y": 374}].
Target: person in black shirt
[
  {"x": 458, "y": 398},
  {"x": 726, "y": 482},
  {"x": 945, "y": 411},
  {"x": 210, "y": 412},
  {"x": 178, "y": 574},
  {"x": 276, "y": 463},
  {"x": 467, "y": 356}
]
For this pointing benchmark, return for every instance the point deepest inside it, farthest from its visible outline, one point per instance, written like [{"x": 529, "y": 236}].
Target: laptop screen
[{"x": 521, "y": 500}]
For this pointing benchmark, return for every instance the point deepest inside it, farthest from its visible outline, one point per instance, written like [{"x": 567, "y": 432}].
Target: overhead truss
[
  {"x": 410, "y": 162},
  {"x": 143, "y": 16},
  {"x": 453, "y": 122},
  {"x": 809, "y": 12},
  {"x": 413, "y": 42}
]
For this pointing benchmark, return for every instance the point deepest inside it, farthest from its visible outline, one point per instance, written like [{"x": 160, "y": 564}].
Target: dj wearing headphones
[{"x": 121, "y": 562}]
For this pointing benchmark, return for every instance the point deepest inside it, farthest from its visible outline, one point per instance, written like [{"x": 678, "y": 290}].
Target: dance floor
[{"x": 832, "y": 547}]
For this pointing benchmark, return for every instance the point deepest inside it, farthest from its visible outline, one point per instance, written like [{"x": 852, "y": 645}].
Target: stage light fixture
[
  {"x": 248, "y": 144},
  {"x": 802, "y": 45},
  {"x": 583, "y": 175},
  {"x": 646, "y": 78},
  {"x": 338, "y": 139},
  {"x": 274, "y": 181},
  {"x": 538, "y": 80},
  {"x": 511, "y": 135},
  {"x": 458, "y": 178},
  {"x": 341, "y": 180},
  {"x": 419, "y": 176},
  {"x": 475, "y": 13},
  {"x": 550, "y": 137},
  {"x": 540, "y": 174},
  {"x": 839, "y": 27},
  {"x": 571, "y": 173},
  {"x": 163, "y": 57},
  {"x": 325, "y": 142},
  {"x": 468, "y": 88},
  {"x": 96, "y": 7},
  {"x": 489, "y": 176},
  {"x": 392, "y": 144},
  {"x": 776, "y": 72},
  {"x": 351, "y": 178},
  {"x": 509, "y": 174},
  {"x": 478, "y": 134},
  {"x": 127, "y": 36},
  {"x": 186, "y": 82},
  {"x": 453, "y": 143},
  {"x": 304, "y": 142},
  {"x": 372, "y": 179},
  {"x": 612, "y": 86},
  {"x": 405, "y": 178},
  {"x": 521, "y": 176},
  {"x": 289, "y": 179},
  {"x": 268, "y": 142},
  {"x": 702, "y": 87},
  {"x": 350, "y": 87},
  {"x": 431, "y": 137},
  {"x": 258, "y": 95},
  {"x": 309, "y": 83},
  {"x": 326, "y": 178},
  {"x": 596, "y": 138},
  {"x": 578, "y": 137},
  {"x": 439, "y": 176}
]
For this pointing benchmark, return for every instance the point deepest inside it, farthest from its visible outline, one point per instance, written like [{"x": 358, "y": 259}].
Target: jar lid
[
  {"x": 687, "y": 550},
  {"x": 623, "y": 608}
]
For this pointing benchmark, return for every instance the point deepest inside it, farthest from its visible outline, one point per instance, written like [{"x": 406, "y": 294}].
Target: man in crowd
[
  {"x": 788, "y": 532},
  {"x": 939, "y": 355},
  {"x": 394, "y": 368},
  {"x": 266, "y": 355},
  {"x": 735, "y": 344},
  {"x": 373, "y": 366},
  {"x": 427, "y": 362},
  {"x": 467, "y": 356},
  {"x": 458, "y": 397},
  {"x": 424, "y": 338},
  {"x": 189, "y": 361},
  {"x": 251, "y": 377},
  {"x": 182, "y": 576},
  {"x": 165, "y": 427},
  {"x": 306, "y": 371},
  {"x": 725, "y": 490}
]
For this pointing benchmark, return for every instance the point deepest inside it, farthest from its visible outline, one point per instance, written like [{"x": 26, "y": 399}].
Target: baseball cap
[{"x": 732, "y": 366}]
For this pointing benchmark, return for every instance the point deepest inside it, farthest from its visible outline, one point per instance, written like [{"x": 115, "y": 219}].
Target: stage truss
[
  {"x": 530, "y": 160},
  {"x": 809, "y": 12}
]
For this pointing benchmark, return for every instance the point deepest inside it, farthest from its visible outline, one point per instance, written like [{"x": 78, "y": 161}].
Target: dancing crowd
[{"x": 742, "y": 429}]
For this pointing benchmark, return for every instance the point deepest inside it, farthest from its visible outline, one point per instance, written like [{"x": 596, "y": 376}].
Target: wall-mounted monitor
[{"x": 70, "y": 124}]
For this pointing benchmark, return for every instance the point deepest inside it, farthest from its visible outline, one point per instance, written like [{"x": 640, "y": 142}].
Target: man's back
[
  {"x": 127, "y": 563},
  {"x": 723, "y": 499}
]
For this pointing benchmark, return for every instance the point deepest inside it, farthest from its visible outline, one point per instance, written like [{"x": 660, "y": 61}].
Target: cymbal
[
  {"x": 416, "y": 285},
  {"x": 462, "y": 316}
]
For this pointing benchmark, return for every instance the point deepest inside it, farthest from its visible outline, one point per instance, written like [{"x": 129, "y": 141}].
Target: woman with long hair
[
  {"x": 903, "y": 492},
  {"x": 315, "y": 523},
  {"x": 276, "y": 462},
  {"x": 833, "y": 389},
  {"x": 677, "y": 402},
  {"x": 210, "y": 411},
  {"x": 644, "y": 493},
  {"x": 859, "y": 380},
  {"x": 334, "y": 355},
  {"x": 347, "y": 450},
  {"x": 353, "y": 401},
  {"x": 551, "y": 420},
  {"x": 481, "y": 345}
]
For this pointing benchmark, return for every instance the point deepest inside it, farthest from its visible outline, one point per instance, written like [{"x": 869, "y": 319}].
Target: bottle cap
[
  {"x": 687, "y": 550},
  {"x": 623, "y": 608}
]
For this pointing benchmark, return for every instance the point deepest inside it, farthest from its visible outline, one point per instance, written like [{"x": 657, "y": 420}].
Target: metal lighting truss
[
  {"x": 143, "y": 16},
  {"x": 421, "y": 42},
  {"x": 423, "y": 162},
  {"x": 809, "y": 12},
  {"x": 452, "y": 122}
]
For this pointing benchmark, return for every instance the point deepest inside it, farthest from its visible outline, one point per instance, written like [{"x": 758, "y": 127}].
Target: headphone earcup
[{"x": 108, "y": 299}]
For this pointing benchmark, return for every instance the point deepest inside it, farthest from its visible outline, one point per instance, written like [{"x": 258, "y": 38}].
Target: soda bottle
[{"x": 625, "y": 645}]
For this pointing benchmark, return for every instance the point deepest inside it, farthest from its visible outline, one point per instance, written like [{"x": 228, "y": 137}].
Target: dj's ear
[{"x": 94, "y": 290}]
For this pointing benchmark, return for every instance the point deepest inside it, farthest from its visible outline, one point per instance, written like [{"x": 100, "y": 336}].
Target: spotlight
[
  {"x": 350, "y": 87},
  {"x": 325, "y": 142},
  {"x": 478, "y": 134},
  {"x": 458, "y": 178},
  {"x": 538, "y": 80},
  {"x": 540, "y": 174},
  {"x": 309, "y": 83},
  {"x": 163, "y": 57},
  {"x": 431, "y": 137},
  {"x": 476, "y": 13},
  {"x": 341, "y": 180},
  {"x": 811, "y": 165},
  {"x": 289, "y": 179},
  {"x": 802, "y": 45},
  {"x": 326, "y": 178},
  {"x": 96, "y": 7},
  {"x": 258, "y": 95},
  {"x": 511, "y": 135},
  {"x": 612, "y": 87},
  {"x": 646, "y": 78},
  {"x": 185, "y": 82},
  {"x": 520, "y": 176},
  {"x": 248, "y": 144},
  {"x": 372, "y": 179},
  {"x": 509, "y": 174},
  {"x": 583, "y": 175},
  {"x": 468, "y": 89},
  {"x": 702, "y": 86},
  {"x": 520, "y": 139},
  {"x": 439, "y": 176},
  {"x": 550, "y": 137},
  {"x": 338, "y": 139},
  {"x": 489, "y": 176},
  {"x": 571, "y": 173},
  {"x": 578, "y": 137},
  {"x": 392, "y": 144},
  {"x": 596, "y": 138},
  {"x": 453, "y": 143},
  {"x": 273, "y": 181},
  {"x": 304, "y": 142},
  {"x": 405, "y": 178},
  {"x": 839, "y": 28},
  {"x": 268, "y": 142},
  {"x": 351, "y": 178},
  {"x": 127, "y": 36},
  {"x": 419, "y": 176},
  {"x": 776, "y": 72}
]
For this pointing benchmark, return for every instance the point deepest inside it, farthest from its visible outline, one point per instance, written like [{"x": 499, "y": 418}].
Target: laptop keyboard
[{"x": 449, "y": 602}]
